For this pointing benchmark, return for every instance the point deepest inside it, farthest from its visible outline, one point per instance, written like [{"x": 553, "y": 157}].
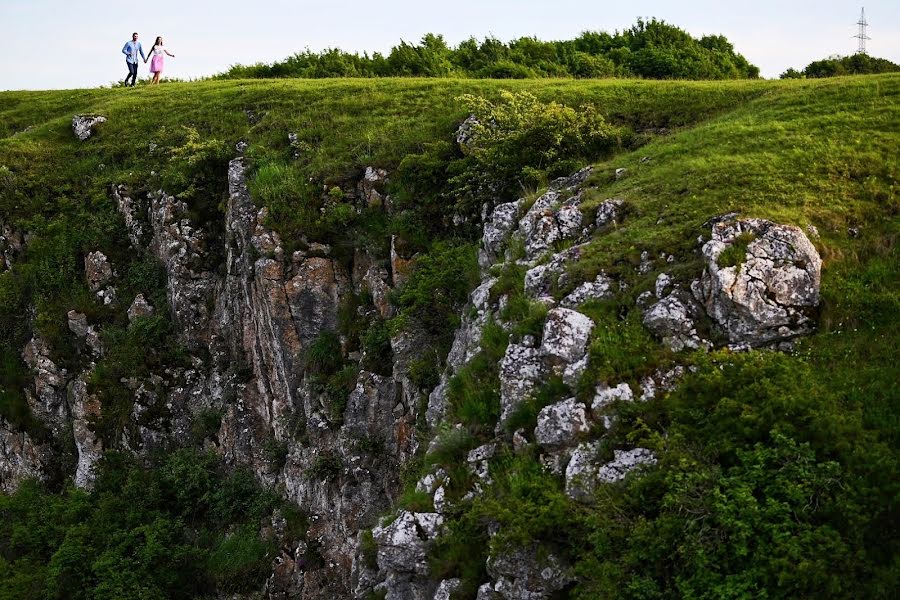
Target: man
[{"x": 131, "y": 51}]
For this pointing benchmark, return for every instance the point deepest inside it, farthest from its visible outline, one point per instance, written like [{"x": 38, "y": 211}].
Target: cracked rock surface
[{"x": 770, "y": 295}]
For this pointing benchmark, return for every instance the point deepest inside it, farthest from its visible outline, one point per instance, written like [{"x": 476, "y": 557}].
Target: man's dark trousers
[{"x": 132, "y": 72}]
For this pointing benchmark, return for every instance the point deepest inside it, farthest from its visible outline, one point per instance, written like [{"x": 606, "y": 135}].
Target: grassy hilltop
[{"x": 777, "y": 472}]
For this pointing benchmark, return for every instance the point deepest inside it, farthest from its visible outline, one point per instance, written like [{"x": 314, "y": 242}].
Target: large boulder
[{"x": 761, "y": 282}]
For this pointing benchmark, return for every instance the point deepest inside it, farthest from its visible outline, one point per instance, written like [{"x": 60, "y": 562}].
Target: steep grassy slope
[
  {"x": 776, "y": 471},
  {"x": 767, "y": 459}
]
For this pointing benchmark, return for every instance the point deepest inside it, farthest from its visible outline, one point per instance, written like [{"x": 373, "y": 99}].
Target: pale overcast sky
[{"x": 77, "y": 43}]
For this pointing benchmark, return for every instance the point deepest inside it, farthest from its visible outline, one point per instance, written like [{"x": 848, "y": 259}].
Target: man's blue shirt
[{"x": 131, "y": 51}]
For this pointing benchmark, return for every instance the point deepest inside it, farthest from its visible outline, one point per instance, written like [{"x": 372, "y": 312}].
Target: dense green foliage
[
  {"x": 178, "y": 530},
  {"x": 650, "y": 49},
  {"x": 836, "y": 66}
]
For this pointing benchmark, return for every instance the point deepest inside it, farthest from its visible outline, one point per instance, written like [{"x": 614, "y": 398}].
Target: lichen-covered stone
[
  {"x": 560, "y": 423},
  {"x": 497, "y": 228},
  {"x": 526, "y": 574},
  {"x": 566, "y": 334},
  {"x": 624, "y": 462},
  {"x": 521, "y": 371},
  {"x": 581, "y": 472},
  {"x": 772, "y": 293},
  {"x": 140, "y": 308},
  {"x": 609, "y": 212},
  {"x": 601, "y": 288},
  {"x": 20, "y": 458},
  {"x": 83, "y": 125},
  {"x": 673, "y": 320}
]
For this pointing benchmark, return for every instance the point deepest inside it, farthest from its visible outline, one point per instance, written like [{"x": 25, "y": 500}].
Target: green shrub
[
  {"x": 324, "y": 356},
  {"x": 520, "y": 140},
  {"x": 326, "y": 466},
  {"x": 180, "y": 529},
  {"x": 240, "y": 561},
  {"x": 377, "y": 352}
]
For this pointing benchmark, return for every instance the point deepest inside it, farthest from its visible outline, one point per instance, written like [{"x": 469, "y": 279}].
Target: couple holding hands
[{"x": 133, "y": 48}]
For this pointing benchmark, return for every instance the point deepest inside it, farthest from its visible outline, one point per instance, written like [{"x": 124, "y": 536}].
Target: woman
[{"x": 156, "y": 59}]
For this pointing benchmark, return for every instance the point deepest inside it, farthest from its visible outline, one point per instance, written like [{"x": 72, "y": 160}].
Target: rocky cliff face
[
  {"x": 765, "y": 300},
  {"x": 251, "y": 325}
]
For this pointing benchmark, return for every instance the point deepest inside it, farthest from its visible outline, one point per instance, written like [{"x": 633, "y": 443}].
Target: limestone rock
[
  {"x": 624, "y": 462},
  {"x": 83, "y": 125},
  {"x": 581, "y": 472},
  {"x": 569, "y": 218},
  {"x": 560, "y": 423},
  {"x": 609, "y": 212},
  {"x": 20, "y": 458},
  {"x": 673, "y": 320},
  {"x": 573, "y": 181},
  {"x": 403, "y": 544},
  {"x": 182, "y": 250},
  {"x": 134, "y": 212},
  {"x": 435, "y": 485},
  {"x": 573, "y": 372},
  {"x": 48, "y": 400},
  {"x": 371, "y": 187},
  {"x": 663, "y": 281},
  {"x": 446, "y": 589},
  {"x": 97, "y": 270},
  {"x": 599, "y": 289},
  {"x": 541, "y": 280},
  {"x": 84, "y": 409},
  {"x": 539, "y": 227},
  {"x": 78, "y": 324},
  {"x": 521, "y": 371},
  {"x": 769, "y": 296},
  {"x": 486, "y": 592},
  {"x": 140, "y": 308},
  {"x": 523, "y": 574},
  {"x": 401, "y": 267},
  {"x": 497, "y": 229},
  {"x": 465, "y": 133},
  {"x": 566, "y": 334}
]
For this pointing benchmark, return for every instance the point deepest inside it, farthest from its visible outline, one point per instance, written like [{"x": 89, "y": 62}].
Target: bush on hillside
[{"x": 519, "y": 142}]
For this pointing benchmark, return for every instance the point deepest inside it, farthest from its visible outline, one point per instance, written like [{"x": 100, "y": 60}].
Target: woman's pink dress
[{"x": 156, "y": 63}]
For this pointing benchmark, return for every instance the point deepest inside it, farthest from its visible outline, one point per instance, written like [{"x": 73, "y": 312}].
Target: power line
[{"x": 861, "y": 36}]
